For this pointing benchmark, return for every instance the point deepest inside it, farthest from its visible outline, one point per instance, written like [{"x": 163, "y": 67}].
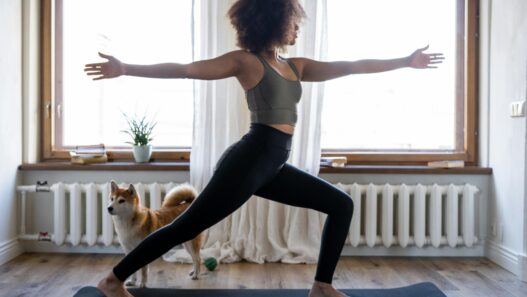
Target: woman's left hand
[{"x": 420, "y": 60}]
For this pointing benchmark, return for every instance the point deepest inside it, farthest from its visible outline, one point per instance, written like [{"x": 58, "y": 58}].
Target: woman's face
[{"x": 293, "y": 33}]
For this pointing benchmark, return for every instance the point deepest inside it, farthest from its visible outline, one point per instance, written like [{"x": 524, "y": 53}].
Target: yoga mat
[{"x": 425, "y": 289}]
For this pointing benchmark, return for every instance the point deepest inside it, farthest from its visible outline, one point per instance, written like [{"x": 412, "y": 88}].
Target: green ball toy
[{"x": 210, "y": 263}]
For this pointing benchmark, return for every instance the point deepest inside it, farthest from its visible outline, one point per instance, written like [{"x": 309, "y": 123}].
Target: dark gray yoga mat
[{"x": 425, "y": 289}]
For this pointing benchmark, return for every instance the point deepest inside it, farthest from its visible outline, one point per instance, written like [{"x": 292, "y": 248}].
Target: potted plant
[{"x": 141, "y": 132}]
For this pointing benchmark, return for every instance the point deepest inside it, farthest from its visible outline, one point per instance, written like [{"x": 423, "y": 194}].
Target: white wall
[
  {"x": 503, "y": 139},
  {"x": 10, "y": 122}
]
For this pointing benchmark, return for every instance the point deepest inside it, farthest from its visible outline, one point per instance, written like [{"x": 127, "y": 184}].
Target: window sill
[{"x": 184, "y": 166}]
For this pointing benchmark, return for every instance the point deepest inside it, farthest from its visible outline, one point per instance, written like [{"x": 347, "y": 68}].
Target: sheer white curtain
[{"x": 261, "y": 230}]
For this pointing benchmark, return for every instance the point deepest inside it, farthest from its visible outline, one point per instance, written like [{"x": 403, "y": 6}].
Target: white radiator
[
  {"x": 98, "y": 225},
  {"x": 389, "y": 214},
  {"x": 412, "y": 214}
]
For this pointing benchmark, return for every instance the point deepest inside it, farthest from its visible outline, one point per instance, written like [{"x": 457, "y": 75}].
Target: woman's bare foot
[
  {"x": 321, "y": 289},
  {"x": 111, "y": 286}
]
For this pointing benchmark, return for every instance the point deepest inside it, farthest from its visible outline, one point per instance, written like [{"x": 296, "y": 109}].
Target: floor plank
[{"x": 40, "y": 274}]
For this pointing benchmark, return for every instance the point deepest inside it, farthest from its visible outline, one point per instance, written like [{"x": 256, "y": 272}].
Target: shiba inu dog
[{"x": 133, "y": 222}]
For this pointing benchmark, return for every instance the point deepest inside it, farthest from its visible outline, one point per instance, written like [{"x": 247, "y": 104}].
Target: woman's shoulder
[
  {"x": 240, "y": 57},
  {"x": 245, "y": 58},
  {"x": 242, "y": 54}
]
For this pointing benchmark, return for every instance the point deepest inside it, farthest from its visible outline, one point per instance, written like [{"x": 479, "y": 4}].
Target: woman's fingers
[
  {"x": 91, "y": 70},
  {"x": 435, "y": 58},
  {"x": 94, "y": 73},
  {"x": 93, "y": 65},
  {"x": 424, "y": 48},
  {"x": 97, "y": 67},
  {"x": 436, "y": 54},
  {"x": 424, "y": 60},
  {"x": 104, "y": 56},
  {"x": 98, "y": 75},
  {"x": 108, "y": 69}
]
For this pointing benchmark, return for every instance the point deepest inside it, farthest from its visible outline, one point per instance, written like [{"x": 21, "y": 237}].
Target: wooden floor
[{"x": 63, "y": 274}]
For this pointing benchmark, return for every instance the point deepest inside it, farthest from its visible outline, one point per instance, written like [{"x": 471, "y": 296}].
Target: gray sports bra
[{"x": 273, "y": 100}]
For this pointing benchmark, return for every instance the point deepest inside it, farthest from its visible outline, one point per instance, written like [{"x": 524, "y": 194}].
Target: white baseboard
[
  {"x": 505, "y": 257},
  {"x": 523, "y": 271},
  {"x": 9, "y": 250},
  {"x": 50, "y": 247},
  {"x": 414, "y": 251},
  {"x": 348, "y": 250}
]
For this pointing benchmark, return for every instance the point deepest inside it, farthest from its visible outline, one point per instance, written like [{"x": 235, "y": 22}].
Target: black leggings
[{"x": 256, "y": 164}]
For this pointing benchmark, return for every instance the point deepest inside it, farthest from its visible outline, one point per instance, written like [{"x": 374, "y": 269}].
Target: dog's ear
[
  {"x": 131, "y": 190},
  {"x": 114, "y": 186}
]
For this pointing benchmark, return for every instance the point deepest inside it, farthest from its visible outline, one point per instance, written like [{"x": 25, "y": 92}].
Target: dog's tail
[{"x": 178, "y": 194}]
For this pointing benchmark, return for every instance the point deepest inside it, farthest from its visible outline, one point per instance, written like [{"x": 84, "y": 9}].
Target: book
[
  {"x": 87, "y": 158},
  {"x": 93, "y": 150},
  {"x": 447, "y": 164},
  {"x": 339, "y": 161}
]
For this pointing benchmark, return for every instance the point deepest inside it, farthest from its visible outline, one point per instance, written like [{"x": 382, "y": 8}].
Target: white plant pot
[{"x": 142, "y": 153}]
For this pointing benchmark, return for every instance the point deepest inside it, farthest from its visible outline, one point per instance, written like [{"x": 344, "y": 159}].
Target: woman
[{"x": 256, "y": 164}]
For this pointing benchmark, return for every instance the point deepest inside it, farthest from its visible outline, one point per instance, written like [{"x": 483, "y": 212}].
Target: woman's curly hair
[{"x": 263, "y": 24}]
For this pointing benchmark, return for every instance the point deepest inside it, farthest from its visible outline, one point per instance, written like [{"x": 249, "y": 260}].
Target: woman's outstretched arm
[
  {"x": 312, "y": 70},
  {"x": 223, "y": 66}
]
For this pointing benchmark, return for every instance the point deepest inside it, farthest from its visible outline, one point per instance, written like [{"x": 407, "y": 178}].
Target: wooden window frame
[{"x": 466, "y": 101}]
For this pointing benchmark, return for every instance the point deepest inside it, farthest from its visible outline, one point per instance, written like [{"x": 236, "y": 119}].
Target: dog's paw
[
  {"x": 142, "y": 285},
  {"x": 130, "y": 283},
  {"x": 193, "y": 275}
]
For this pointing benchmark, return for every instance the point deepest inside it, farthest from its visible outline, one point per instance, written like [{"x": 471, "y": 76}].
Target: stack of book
[
  {"x": 333, "y": 161},
  {"x": 88, "y": 154},
  {"x": 447, "y": 164}
]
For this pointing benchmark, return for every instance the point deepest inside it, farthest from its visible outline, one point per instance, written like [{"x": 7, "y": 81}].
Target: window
[
  {"x": 406, "y": 115},
  {"x": 90, "y": 112}
]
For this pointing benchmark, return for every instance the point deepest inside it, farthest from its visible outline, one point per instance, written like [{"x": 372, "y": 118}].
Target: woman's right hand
[{"x": 112, "y": 68}]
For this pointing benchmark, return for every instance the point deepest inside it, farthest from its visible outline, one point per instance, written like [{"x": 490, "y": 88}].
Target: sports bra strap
[
  {"x": 264, "y": 62},
  {"x": 294, "y": 68}
]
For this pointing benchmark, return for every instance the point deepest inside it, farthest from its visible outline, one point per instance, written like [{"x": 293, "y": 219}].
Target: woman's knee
[
  {"x": 183, "y": 228},
  {"x": 345, "y": 204}
]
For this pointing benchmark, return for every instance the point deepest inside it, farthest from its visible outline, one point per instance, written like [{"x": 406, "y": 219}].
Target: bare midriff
[{"x": 284, "y": 128}]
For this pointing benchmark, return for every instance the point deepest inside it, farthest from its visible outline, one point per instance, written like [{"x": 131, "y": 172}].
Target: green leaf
[{"x": 139, "y": 129}]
